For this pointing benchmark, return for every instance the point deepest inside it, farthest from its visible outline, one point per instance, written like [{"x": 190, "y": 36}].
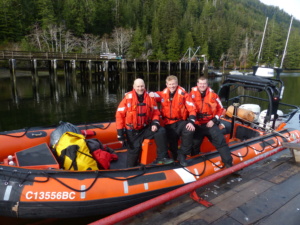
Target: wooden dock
[{"x": 267, "y": 192}]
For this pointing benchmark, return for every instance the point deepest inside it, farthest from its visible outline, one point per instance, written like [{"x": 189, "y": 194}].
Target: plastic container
[{"x": 262, "y": 116}]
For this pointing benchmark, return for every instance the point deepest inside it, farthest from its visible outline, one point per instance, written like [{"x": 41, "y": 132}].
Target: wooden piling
[
  {"x": 34, "y": 77},
  {"x": 148, "y": 74},
  {"x": 134, "y": 67},
  {"x": 89, "y": 67},
  {"x": 294, "y": 148},
  {"x": 73, "y": 74},
  {"x": 179, "y": 75},
  {"x": 158, "y": 75},
  {"x": 106, "y": 73},
  {"x": 13, "y": 80},
  {"x": 148, "y": 68},
  {"x": 67, "y": 75},
  {"x": 199, "y": 68},
  {"x": 53, "y": 77}
]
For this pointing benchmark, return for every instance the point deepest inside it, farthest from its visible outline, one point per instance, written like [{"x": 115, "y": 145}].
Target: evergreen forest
[{"x": 226, "y": 32}]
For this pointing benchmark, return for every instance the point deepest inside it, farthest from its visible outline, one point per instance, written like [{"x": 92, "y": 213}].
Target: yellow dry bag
[{"x": 73, "y": 153}]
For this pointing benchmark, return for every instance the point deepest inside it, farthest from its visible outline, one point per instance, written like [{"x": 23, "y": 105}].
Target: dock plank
[
  {"x": 264, "y": 193},
  {"x": 245, "y": 195},
  {"x": 288, "y": 214},
  {"x": 268, "y": 202}
]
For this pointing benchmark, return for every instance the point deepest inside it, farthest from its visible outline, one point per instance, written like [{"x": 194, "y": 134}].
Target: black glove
[
  {"x": 155, "y": 123},
  {"x": 121, "y": 136},
  {"x": 216, "y": 121},
  {"x": 192, "y": 119}
]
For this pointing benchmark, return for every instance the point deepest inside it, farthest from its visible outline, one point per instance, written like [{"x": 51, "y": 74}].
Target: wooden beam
[{"x": 291, "y": 145}]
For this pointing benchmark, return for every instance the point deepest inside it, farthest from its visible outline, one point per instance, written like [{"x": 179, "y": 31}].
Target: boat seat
[
  {"x": 148, "y": 153},
  {"x": 147, "y": 156},
  {"x": 244, "y": 133}
]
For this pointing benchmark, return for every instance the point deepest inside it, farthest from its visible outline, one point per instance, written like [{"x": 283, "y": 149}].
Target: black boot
[
  {"x": 181, "y": 159},
  {"x": 132, "y": 160},
  {"x": 228, "y": 165}
]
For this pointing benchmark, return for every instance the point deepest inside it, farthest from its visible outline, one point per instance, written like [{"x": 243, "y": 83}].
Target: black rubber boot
[
  {"x": 181, "y": 159},
  {"x": 132, "y": 159}
]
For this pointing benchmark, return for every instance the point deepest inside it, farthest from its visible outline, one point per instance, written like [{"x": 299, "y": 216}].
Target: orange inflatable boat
[{"x": 33, "y": 184}]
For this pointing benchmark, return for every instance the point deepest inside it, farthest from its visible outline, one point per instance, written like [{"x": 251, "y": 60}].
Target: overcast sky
[{"x": 292, "y": 7}]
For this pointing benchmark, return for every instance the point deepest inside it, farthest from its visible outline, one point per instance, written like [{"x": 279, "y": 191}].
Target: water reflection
[{"x": 87, "y": 100}]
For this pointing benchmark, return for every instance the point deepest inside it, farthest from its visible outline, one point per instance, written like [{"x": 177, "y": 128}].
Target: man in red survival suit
[
  {"x": 209, "y": 110},
  {"x": 137, "y": 118},
  {"x": 178, "y": 114}
]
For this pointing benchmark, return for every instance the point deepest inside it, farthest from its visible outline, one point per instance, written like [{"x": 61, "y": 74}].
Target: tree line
[{"x": 228, "y": 31}]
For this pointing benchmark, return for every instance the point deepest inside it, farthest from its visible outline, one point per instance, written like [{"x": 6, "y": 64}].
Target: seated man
[
  {"x": 137, "y": 117},
  {"x": 209, "y": 110},
  {"x": 176, "y": 105}
]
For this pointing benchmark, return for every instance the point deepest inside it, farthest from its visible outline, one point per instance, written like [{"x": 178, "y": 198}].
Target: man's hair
[
  {"x": 201, "y": 78},
  {"x": 171, "y": 77}
]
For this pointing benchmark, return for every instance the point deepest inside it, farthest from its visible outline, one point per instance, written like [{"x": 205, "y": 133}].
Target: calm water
[{"x": 90, "y": 104}]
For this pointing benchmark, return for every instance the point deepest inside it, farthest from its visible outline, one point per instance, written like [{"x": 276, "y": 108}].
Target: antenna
[
  {"x": 262, "y": 41},
  {"x": 286, "y": 43}
]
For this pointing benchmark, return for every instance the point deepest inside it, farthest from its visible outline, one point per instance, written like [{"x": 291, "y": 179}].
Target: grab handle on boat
[{"x": 88, "y": 133}]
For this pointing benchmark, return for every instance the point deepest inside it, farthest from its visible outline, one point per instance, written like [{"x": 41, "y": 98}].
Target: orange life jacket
[
  {"x": 208, "y": 107},
  {"x": 135, "y": 115},
  {"x": 176, "y": 109}
]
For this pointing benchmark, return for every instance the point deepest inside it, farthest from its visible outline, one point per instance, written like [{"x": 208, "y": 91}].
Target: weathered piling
[
  {"x": 103, "y": 71},
  {"x": 53, "y": 76},
  {"x": 34, "y": 78},
  {"x": 13, "y": 80}
]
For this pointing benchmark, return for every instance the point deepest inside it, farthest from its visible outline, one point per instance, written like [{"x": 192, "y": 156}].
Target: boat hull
[{"x": 55, "y": 193}]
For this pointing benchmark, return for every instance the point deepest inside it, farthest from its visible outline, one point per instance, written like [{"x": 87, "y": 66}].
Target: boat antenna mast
[
  {"x": 262, "y": 41},
  {"x": 286, "y": 43}
]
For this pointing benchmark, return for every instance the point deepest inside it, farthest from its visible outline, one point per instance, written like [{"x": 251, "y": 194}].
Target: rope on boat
[
  {"x": 27, "y": 129},
  {"x": 262, "y": 139},
  {"x": 92, "y": 125},
  {"x": 17, "y": 175},
  {"x": 18, "y": 136}
]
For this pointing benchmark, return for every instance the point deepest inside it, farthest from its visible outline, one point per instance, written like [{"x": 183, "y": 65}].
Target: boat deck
[{"x": 265, "y": 193}]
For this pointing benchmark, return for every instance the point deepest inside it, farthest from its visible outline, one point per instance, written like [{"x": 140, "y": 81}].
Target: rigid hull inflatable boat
[{"x": 34, "y": 185}]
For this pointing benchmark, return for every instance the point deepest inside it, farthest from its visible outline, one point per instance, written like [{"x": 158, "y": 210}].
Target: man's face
[
  {"x": 172, "y": 85},
  {"x": 139, "y": 86},
  {"x": 202, "y": 85}
]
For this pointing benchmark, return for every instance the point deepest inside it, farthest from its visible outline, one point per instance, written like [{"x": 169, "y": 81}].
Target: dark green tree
[
  {"x": 173, "y": 46},
  {"x": 137, "y": 47}
]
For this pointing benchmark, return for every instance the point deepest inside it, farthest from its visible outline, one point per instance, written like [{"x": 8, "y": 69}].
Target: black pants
[
  {"x": 216, "y": 137},
  {"x": 174, "y": 132},
  {"x": 135, "y": 139}
]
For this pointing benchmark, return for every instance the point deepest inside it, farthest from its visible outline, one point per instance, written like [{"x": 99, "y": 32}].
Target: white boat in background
[
  {"x": 108, "y": 55},
  {"x": 248, "y": 73},
  {"x": 217, "y": 73},
  {"x": 264, "y": 72},
  {"x": 235, "y": 72}
]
